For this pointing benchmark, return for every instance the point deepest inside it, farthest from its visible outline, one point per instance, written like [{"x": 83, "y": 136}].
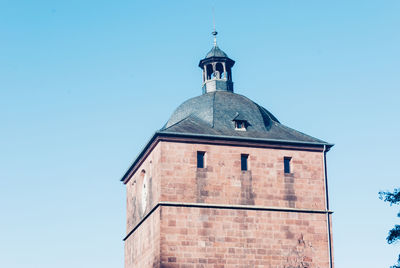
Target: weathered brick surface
[
  {"x": 222, "y": 181},
  {"x": 152, "y": 167},
  {"x": 210, "y": 237},
  {"x": 142, "y": 248}
]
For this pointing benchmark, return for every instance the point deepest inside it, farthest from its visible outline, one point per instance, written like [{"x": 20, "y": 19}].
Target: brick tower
[{"x": 225, "y": 184}]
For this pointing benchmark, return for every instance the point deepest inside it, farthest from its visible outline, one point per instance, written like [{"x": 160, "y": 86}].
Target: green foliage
[
  {"x": 392, "y": 198},
  {"x": 394, "y": 234}
]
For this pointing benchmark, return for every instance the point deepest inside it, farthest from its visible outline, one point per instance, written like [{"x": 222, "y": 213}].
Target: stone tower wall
[
  {"x": 223, "y": 182},
  {"x": 195, "y": 237},
  {"x": 204, "y": 217},
  {"x": 142, "y": 248},
  {"x": 152, "y": 166}
]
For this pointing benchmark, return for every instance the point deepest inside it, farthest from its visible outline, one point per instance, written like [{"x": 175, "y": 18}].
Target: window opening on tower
[
  {"x": 243, "y": 161},
  {"x": 286, "y": 164},
  {"x": 200, "y": 159}
]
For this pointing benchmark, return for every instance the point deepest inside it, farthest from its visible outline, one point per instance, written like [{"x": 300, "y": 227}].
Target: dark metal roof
[
  {"x": 239, "y": 117},
  {"x": 211, "y": 114},
  {"x": 216, "y": 52},
  {"x": 210, "y": 117}
]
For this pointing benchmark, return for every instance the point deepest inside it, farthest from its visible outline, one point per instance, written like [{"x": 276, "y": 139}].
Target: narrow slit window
[
  {"x": 243, "y": 160},
  {"x": 286, "y": 164},
  {"x": 200, "y": 159}
]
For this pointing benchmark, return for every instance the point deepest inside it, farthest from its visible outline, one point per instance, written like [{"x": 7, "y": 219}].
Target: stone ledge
[{"x": 223, "y": 206}]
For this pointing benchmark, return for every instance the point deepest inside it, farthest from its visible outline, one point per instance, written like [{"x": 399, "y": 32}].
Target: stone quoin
[{"x": 225, "y": 184}]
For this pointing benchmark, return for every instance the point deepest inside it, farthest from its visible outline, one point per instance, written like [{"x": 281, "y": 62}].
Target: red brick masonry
[{"x": 286, "y": 229}]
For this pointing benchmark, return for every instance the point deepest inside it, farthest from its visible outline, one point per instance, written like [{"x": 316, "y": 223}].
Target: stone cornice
[{"x": 224, "y": 206}]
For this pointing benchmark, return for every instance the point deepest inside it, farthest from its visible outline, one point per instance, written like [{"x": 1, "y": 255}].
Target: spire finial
[
  {"x": 214, "y": 32},
  {"x": 215, "y": 37}
]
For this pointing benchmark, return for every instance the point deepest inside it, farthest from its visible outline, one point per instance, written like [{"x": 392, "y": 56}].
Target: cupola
[{"x": 217, "y": 70}]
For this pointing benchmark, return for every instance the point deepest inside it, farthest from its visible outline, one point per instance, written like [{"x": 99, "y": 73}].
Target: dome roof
[
  {"x": 216, "y": 52},
  {"x": 215, "y": 113}
]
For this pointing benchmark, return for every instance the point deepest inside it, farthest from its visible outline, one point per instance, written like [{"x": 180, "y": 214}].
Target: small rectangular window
[
  {"x": 243, "y": 160},
  {"x": 240, "y": 125},
  {"x": 286, "y": 164},
  {"x": 200, "y": 159}
]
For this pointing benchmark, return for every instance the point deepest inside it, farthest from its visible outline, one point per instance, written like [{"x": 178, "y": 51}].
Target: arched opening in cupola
[
  {"x": 219, "y": 70},
  {"x": 209, "y": 71}
]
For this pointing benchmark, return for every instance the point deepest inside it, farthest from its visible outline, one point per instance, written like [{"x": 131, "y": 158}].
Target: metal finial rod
[{"x": 214, "y": 32}]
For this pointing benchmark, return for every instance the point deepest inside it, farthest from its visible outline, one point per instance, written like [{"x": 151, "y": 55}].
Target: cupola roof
[
  {"x": 213, "y": 114},
  {"x": 216, "y": 52}
]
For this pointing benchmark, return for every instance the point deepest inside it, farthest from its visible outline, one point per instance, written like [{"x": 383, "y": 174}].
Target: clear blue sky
[{"x": 84, "y": 84}]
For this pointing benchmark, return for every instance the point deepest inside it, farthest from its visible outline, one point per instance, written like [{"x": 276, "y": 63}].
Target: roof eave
[
  {"x": 170, "y": 133},
  {"x": 140, "y": 155},
  {"x": 216, "y": 58}
]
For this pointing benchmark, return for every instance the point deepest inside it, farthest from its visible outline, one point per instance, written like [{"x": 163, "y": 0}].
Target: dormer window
[{"x": 241, "y": 123}]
